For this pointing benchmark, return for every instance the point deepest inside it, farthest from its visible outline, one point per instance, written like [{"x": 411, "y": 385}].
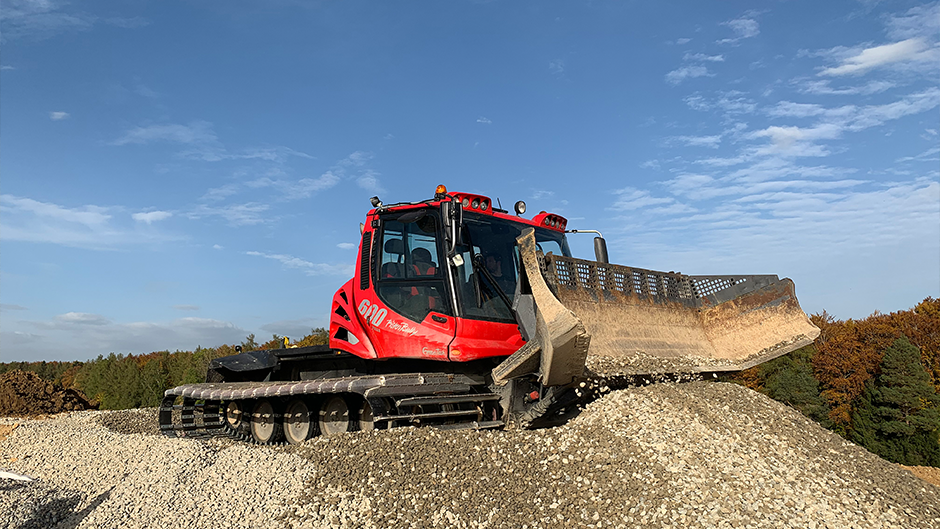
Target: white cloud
[
  {"x": 930, "y": 155},
  {"x": 346, "y": 246},
  {"x": 873, "y": 115},
  {"x": 910, "y": 50},
  {"x": 539, "y": 194},
  {"x": 919, "y": 21},
  {"x": 630, "y": 198},
  {"x": 41, "y": 19},
  {"x": 703, "y": 57},
  {"x": 287, "y": 189},
  {"x": 83, "y": 336},
  {"x": 151, "y": 216},
  {"x": 822, "y": 87},
  {"x": 309, "y": 268},
  {"x": 8, "y": 306},
  {"x": 369, "y": 180},
  {"x": 743, "y": 28},
  {"x": 731, "y": 103},
  {"x": 683, "y": 40},
  {"x": 687, "y": 72},
  {"x": 58, "y": 116},
  {"x": 797, "y": 110},
  {"x": 81, "y": 318},
  {"x": 195, "y": 133},
  {"x": 186, "y": 307},
  {"x": 556, "y": 68},
  {"x": 484, "y": 120},
  {"x": 93, "y": 227},
  {"x": 217, "y": 247},
  {"x": 711, "y": 142},
  {"x": 247, "y": 214}
]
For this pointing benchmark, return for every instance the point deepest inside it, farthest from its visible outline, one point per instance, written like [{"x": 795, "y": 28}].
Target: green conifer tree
[{"x": 898, "y": 418}]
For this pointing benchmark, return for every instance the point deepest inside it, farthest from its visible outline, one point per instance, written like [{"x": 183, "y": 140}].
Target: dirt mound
[{"x": 25, "y": 394}]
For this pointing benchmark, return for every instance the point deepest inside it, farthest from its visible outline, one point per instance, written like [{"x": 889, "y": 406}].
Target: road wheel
[
  {"x": 235, "y": 417},
  {"x": 265, "y": 424},
  {"x": 365, "y": 416},
  {"x": 298, "y": 426},
  {"x": 334, "y": 416}
]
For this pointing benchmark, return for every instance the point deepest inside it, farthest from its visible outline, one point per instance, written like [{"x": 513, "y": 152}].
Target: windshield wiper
[{"x": 481, "y": 266}]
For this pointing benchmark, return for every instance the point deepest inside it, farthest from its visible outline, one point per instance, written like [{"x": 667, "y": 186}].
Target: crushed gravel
[{"x": 699, "y": 454}]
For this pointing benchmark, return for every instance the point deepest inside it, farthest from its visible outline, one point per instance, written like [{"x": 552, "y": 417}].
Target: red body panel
[
  {"x": 482, "y": 339},
  {"x": 361, "y": 324}
]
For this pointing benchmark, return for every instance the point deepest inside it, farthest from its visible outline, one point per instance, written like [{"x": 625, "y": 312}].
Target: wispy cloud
[
  {"x": 703, "y": 57},
  {"x": 711, "y": 142},
  {"x": 484, "y": 120},
  {"x": 195, "y": 133},
  {"x": 346, "y": 246},
  {"x": 150, "y": 217},
  {"x": 930, "y": 155},
  {"x": 823, "y": 87},
  {"x": 94, "y": 227},
  {"x": 729, "y": 103},
  {"x": 58, "y": 116},
  {"x": 919, "y": 21},
  {"x": 791, "y": 140},
  {"x": 914, "y": 50},
  {"x": 369, "y": 180},
  {"x": 81, "y": 318},
  {"x": 277, "y": 178},
  {"x": 309, "y": 268},
  {"x": 85, "y": 335},
  {"x": 557, "y": 67},
  {"x": 41, "y": 19},
  {"x": 687, "y": 72},
  {"x": 743, "y": 28},
  {"x": 186, "y": 307},
  {"x": 248, "y": 214}
]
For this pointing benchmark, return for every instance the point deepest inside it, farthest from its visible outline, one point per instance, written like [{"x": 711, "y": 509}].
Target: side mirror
[{"x": 600, "y": 250}]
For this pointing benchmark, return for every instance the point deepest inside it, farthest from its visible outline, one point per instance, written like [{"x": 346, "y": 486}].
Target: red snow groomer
[{"x": 462, "y": 315}]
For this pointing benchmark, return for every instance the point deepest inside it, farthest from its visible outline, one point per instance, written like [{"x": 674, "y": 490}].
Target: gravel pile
[{"x": 697, "y": 454}]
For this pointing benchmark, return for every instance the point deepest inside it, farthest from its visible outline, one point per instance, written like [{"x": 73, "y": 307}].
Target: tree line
[{"x": 121, "y": 381}]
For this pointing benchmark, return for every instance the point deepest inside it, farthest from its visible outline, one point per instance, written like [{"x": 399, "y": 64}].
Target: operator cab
[{"x": 484, "y": 265}]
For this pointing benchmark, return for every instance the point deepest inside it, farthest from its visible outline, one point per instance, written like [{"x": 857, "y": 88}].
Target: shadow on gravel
[{"x": 54, "y": 511}]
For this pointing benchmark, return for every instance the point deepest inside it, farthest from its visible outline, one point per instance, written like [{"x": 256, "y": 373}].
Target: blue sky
[{"x": 176, "y": 174}]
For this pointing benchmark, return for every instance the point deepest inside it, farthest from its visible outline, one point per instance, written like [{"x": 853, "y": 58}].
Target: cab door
[{"x": 408, "y": 313}]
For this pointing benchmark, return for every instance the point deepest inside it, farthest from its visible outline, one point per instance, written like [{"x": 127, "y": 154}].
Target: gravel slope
[{"x": 669, "y": 455}]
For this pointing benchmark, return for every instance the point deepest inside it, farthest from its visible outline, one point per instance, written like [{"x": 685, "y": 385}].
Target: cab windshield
[{"x": 489, "y": 244}]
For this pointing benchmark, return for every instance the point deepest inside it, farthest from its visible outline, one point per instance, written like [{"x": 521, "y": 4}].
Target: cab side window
[{"x": 410, "y": 280}]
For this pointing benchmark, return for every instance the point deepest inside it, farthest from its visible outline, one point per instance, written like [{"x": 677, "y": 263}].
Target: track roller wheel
[
  {"x": 266, "y": 427},
  {"x": 236, "y": 418},
  {"x": 366, "y": 422},
  {"x": 334, "y": 416},
  {"x": 298, "y": 426}
]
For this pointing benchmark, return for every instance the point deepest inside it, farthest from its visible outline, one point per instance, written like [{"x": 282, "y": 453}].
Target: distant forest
[{"x": 873, "y": 381}]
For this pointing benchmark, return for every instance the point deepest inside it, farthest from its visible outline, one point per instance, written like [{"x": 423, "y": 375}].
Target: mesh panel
[{"x": 662, "y": 286}]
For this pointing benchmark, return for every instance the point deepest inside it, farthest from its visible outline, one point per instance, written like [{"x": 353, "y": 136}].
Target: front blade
[{"x": 645, "y": 322}]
